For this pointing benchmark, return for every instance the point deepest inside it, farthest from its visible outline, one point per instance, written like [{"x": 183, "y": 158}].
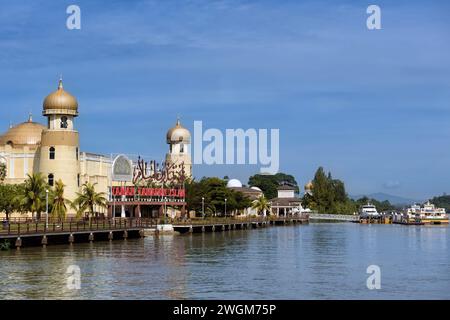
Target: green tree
[
  {"x": 262, "y": 205},
  {"x": 9, "y": 202},
  {"x": 328, "y": 195},
  {"x": 214, "y": 192},
  {"x": 59, "y": 208},
  {"x": 87, "y": 199},
  {"x": 270, "y": 183},
  {"x": 33, "y": 196},
  {"x": 322, "y": 192}
]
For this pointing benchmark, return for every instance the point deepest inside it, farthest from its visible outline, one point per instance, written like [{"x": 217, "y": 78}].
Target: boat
[
  {"x": 426, "y": 214},
  {"x": 368, "y": 213}
]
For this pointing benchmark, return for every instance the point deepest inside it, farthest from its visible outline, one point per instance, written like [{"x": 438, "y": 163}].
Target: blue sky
[{"x": 371, "y": 106}]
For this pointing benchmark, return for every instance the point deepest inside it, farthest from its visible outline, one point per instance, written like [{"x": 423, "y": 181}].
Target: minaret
[
  {"x": 59, "y": 154},
  {"x": 179, "y": 139}
]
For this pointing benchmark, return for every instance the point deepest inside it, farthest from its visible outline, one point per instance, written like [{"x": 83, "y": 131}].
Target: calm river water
[{"x": 315, "y": 261}]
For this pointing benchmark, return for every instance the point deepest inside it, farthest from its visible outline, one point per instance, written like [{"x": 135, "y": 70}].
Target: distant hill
[{"x": 395, "y": 200}]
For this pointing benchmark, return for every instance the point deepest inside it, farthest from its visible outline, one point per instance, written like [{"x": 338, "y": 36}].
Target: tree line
[
  {"x": 328, "y": 195},
  {"x": 269, "y": 183},
  {"x": 31, "y": 196},
  {"x": 208, "y": 196}
]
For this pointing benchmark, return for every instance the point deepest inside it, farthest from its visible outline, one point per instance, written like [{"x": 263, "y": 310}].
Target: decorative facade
[{"x": 54, "y": 150}]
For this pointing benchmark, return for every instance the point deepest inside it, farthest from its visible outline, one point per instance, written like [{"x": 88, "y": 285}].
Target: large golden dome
[
  {"x": 60, "y": 102},
  {"x": 178, "y": 134},
  {"x": 26, "y": 133},
  {"x": 309, "y": 186}
]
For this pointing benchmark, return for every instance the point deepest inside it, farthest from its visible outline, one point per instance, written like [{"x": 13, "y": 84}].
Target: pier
[
  {"x": 334, "y": 217},
  {"x": 233, "y": 223},
  {"x": 25, "y": 232}
]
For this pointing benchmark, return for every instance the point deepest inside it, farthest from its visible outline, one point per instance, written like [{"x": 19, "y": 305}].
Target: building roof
[
  {"x": 286, "y": 187},
  {"x": 234, "y": 183},
  {"x": 60, "y": 102},
  {"x": 249, "y": 192},
  {"x": 285, "y": 202},
  {"x": 26, "y": 133},
  {"x": 178, "y": 134}
]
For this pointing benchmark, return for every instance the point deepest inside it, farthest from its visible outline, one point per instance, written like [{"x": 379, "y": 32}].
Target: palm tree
[
  {"x": 261, "y": 205},
  {"x": 87, "y": 199},
  {"x": 33, "y": 194},
  {"x": 59, "y": 208}
]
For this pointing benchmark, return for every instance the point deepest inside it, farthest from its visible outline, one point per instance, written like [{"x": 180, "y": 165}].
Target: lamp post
[
  {"x": 165, "y": 211},
  {"x": 203, "y": 207},
  {"x": 46, "y": 210},
  {"x": 225, "y": 207}
]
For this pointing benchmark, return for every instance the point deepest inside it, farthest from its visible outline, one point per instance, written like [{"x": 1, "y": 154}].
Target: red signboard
[{"x": 148, "y": 192}]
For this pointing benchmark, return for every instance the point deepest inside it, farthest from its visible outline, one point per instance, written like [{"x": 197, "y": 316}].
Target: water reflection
[{"x": 316, "y": 261}]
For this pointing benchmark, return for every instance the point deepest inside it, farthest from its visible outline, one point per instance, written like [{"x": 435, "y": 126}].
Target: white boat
[
  {"x": 368, "y": 211},
  {"x": 427, "y": 214}
]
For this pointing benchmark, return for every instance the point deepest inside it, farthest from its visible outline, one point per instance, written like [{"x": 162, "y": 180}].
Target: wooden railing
[
  {"x": 336, "y": 217},
  {"x": 26, "y": 226},
  {"x": 235, "y": 220}
]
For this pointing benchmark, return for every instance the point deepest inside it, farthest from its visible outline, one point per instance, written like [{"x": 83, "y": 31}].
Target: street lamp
[
  {"x": 203, "y": 207},
  {"x": 225, "y": 207},
  {"x": 165, "y": 211},
  {"x": 46, "y": 209}
]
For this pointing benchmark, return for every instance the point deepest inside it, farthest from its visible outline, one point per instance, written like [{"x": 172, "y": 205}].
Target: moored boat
[
  {"x": 368, "y": 214},
  {"x": 426, "y": 214}
]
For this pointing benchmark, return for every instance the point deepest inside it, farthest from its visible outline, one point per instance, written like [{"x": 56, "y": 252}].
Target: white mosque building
[{"x": 54, "y": 149}]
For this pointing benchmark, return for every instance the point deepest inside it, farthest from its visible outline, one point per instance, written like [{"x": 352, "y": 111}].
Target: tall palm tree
[
  {"x": 33, "y": 197},
  {"x": 87, "y": 199},
  {"x": 59, "y": 208},
  {"x": 261, "y": 205}
]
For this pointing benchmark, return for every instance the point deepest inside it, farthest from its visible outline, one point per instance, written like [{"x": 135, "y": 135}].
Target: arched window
[
  {"x": 51, "y": 179},
  {"x": 181, "y": 148},
  {"x": 64, "y": 122},
  {"x": 78, "y": 180},
  {"x": 51, "y": 154},
  {"x": 76, "y": 153}
]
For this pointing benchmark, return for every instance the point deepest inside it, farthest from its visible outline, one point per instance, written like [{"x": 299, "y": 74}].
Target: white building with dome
[
  {"x": 253, "y": 193},
  {"x": 54, "y": 150}
]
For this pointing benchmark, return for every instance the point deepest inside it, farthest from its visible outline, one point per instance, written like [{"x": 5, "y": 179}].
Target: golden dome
[
  {"x": 60, "y": 102},
  {"x": 26, "y": 133},
  {"x": 178, "y": 134},
  {"x": 309, "y": 186}
]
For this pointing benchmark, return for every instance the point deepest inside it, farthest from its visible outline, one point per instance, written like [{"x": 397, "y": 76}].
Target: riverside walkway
[
  {"x": 232, "y": 223},
  {"x": 25, "y": 232},
  {"x": 334, "y": 217}
]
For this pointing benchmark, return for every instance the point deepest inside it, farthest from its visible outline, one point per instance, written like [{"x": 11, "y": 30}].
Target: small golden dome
[
  {"x": 178, "y": 134},
  {"x": 60, "y": 102},
  {"x": 26, "y": 133},
  {"x": 309, "y": 186}
]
